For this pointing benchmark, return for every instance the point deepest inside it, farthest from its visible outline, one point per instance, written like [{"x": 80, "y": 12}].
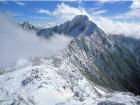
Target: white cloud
[
  {"x": 135, "y": 4},
  {"x": 66, "y": 9},
  {"x": 16, "y": 43},
  {"x": 99, "y": 12},
  {"x": 134, "y": 11},
  {"x": 116, "y": 27},
  {"x": 44, "y": 11},
  {"x": 65, "y": 12},
  {"x": 20, "y": 3},
  {"x": 96, "y": 11},
  {"x": 107, "y": 1}
]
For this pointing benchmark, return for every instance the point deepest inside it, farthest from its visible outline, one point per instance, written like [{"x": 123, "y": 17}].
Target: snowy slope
[{"x": 45, "y": 83}]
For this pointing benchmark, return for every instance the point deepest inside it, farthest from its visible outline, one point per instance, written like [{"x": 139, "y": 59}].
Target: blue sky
[{"x": 29, "y": 10}]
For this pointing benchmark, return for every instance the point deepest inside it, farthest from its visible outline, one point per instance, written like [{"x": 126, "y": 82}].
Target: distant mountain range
[{"x": 95, "y": 69}]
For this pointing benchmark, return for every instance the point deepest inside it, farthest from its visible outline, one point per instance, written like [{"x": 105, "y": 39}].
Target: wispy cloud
[
  {"x": 107, "y": 1},
  {"x": 20, "y": 3},
  {"x": 99, "y": 12},
  {"x": 44, "y": 11},
  {"x": 96, "y": 11}
]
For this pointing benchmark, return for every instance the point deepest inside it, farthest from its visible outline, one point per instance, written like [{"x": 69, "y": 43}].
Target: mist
[{"x": 16, "y": 43}]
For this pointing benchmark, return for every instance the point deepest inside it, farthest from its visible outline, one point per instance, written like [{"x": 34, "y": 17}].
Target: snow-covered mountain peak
[{"x": 79, "y": 26}]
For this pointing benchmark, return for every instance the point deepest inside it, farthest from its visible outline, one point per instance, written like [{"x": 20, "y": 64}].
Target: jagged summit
[
  {"x": 28, "y": 26},
  {"x": 80, "y": 25}
]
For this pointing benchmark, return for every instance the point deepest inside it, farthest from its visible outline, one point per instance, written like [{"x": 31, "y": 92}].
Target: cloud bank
[
  {"x": 124, "y": 28},
  {"x": 16, "y": 43}
]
